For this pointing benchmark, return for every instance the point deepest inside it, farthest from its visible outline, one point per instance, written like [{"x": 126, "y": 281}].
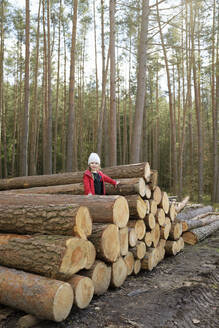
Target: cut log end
[
  {"x": 64, "y": 296},
  {"x": 75, "y": 257},
  {"x": 121, "y": 212},
  {"x": 83, "y": 290},
  {"x": 110, "y": 243},
  {"x": 119, "y": 273},
  {"x": 83, "y": 220},
  {"x": 101, "y": 277}
]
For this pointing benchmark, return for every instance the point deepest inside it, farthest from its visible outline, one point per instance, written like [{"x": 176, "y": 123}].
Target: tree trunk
[
  {"x": 113, "y": 125},
  {"x": 25, "y": 120},
  {"x": 56, "y": 257},
  {"x": 44, "y": 291},
  {"x": 46, "y": 219},
  {"x": 71, "y": 158},
  {"x": 139, "y": 250},
  {"x": 141, "y": 85}
]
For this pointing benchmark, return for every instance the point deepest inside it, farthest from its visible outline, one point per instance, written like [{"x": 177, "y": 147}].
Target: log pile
[
  {"x": 86, "y": 243},
  {"x": 198, "y": 222}
]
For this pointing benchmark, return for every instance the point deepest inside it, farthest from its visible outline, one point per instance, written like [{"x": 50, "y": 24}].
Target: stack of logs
[
  {"x": 59, "y": 247},
  {"x": 198, "y": 222}
]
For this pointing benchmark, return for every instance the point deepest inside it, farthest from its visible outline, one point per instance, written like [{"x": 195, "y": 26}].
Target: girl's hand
[{"x": 117, "y": 183}]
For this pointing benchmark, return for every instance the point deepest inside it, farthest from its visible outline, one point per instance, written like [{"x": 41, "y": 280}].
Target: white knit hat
[{"x": 94, "y": 158}]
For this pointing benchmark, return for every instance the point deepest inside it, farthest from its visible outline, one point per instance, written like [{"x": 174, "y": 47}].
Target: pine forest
[{"x": 133, "y": 81}]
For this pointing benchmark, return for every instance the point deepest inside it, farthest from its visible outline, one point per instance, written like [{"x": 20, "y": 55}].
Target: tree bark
[{"x": 44, "y": 291}]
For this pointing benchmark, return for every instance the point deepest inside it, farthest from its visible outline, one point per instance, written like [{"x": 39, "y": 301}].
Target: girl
[{"x": 94, "y": 179}]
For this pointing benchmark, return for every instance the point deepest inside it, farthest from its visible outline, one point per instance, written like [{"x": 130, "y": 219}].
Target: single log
[
  {"x": 165, "y": 204},
  {"x": 128, "y": 187},
  {"x": 157, "y": 196},
  {"x": 103, "y": 209},
  {"x": 200, "y": 221},
  {"x": 139, "y": 250},
  {"x": 147, "y": 263},
  {"x": 124, "y": 241},
  {"x": 51, "y": 256},
  {"x": 147, "y": 191},
  {"x": 28, "y": 321},
  {"x": 100, "y": 274},
  {"x": 139, "y": 226},
  {"x": 148, "y": 239},
  {"x": 175, "y": 231},
  {"x": 137, "y": 267},
  {"x": 132, "y": 237},
  {"x": 172, "y": 212},
  {"x": 171, "y": 247},
  {"x": 153, "y": 206},
  {"x": 150, "y": 221},
  {"x": 137, "y": 207},
  {"x": 195, "y": 235},
  {"x": 160, "y": 217},
  {"x": 71, "y": 189},
  {"x": 182, "y": 204},
  {"x": 190, "y": 212},
  {"x": 71, "y": 220},
  {"x": 43, "y": 297},
  {"x": 116, "y": 172},
  {"x": 155, "y": 234},
  {"x": 119, "y": 273},
  {"x": 106, "y": 241},
  {"x": 83, "y": 290},
  {"x": 129, "y": 261}
]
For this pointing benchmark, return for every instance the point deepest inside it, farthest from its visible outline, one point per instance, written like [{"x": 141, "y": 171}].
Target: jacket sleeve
[
  {"x": 87, "y": 189},
  {"x": 108, "y": 179}
]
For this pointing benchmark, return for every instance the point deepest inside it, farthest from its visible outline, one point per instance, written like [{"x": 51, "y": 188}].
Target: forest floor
[{"x": 182, "y": 291}]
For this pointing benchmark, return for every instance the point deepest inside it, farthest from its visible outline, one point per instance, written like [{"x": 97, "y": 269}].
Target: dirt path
[{"x": 183, "y": 291}]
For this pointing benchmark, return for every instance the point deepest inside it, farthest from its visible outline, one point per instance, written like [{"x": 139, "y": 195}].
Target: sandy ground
[{"x": 182, "y": 291}]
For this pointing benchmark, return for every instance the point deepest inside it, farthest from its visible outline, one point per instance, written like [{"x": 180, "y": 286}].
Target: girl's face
[{"x": 94, "y": 166}]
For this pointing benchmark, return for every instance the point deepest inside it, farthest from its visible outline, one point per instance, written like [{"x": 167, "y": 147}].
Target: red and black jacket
[{"x": 89, "y": 182}]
